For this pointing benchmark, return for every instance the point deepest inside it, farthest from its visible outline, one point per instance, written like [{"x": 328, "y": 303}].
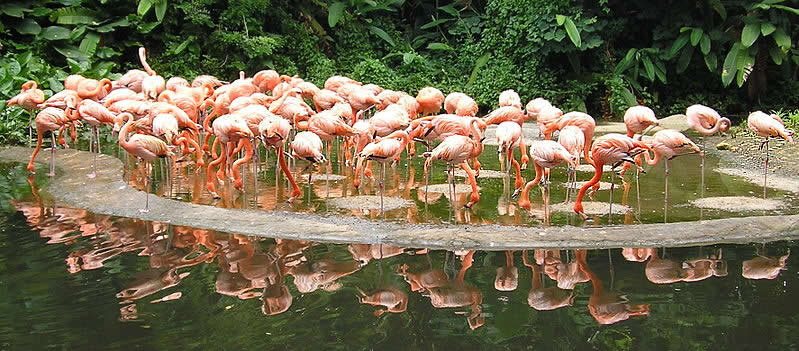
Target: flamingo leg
[
  {"x": 146, "y": 188},
  {"x": 610, "y": 202},
  {"x": 765, "y": 171},
  {"x": 666, "y": 192},
  {"x": 475, "y": 196},
  {"x": 95, "y": 150},
  {"x": 382, "y": 189},
  {"x": 52, "y": 156}
]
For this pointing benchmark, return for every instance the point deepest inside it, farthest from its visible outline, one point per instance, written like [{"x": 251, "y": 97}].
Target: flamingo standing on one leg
[
  {"x": 144, "y": 147},
  {"x": 308, "y": 146},
  {"x": 510, "y": 114},
  {"x": 706, "y": 121},
  {"x": 96, "y": 115},
  {"x": 545, "y": 154},
  {"x": 611, "y": 149},
  {"x": 767, "y": 126},
  {"x": 383, "y": 150}
]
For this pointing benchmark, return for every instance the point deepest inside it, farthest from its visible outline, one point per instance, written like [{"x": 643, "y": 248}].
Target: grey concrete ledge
[{"x": 108, "y": 194}]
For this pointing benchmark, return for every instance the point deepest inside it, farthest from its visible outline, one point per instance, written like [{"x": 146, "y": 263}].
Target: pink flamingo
[
  {"x": 638, "y": 119},
  {"x": 325, "y": 99},
  {"x": 455, "y": 150},
  {"x": 131, "y": 80},
  {"x": 274, "y": 131},
  {"x": 29, "y": 98},
  {"x": 393, "y": 118},
  {"x": 50, "y": 119},
  {"x": 229, "y": 130},
  {"x": 513, "y": 114},
  {"x": 580, "y": 120},
  {"x": 509, "y": 137},
  {"x": 611, "y": 149},
  {"x": 546, "y": 154},
  {"x": 96, "y": 115},
  {"x": 153, "y": 84},
  {"x": 573, "y": 141},
  {"x": 382, "y": 150},
  {"x": 767, "y": 126},
  {"x": 510, "y": 98},
  {"x": 143, "y": 147},
  {"x": 430, "y": 100},
  {"x": 460, "y": 104},
  {"x": 308, "y": 146},
  {"x": 706, "y": 121}
]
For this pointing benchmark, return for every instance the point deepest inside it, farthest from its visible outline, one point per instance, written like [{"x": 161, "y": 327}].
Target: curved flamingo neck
[
  {"x": 123, "y": 133},
  {"x": 595, "y": 179},
  {"x": 652, "y": 161},
  {"x": 143, "y": 59}
]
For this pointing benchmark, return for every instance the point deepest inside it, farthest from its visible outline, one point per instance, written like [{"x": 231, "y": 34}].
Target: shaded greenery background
[{"x": 666, "y": 55}]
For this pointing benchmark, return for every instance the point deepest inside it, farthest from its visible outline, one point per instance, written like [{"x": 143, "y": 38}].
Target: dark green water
[{"x": 70, "y": 279}]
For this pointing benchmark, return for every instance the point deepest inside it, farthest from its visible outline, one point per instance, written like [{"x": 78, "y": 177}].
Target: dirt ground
[{"x": 739, "y": 149}]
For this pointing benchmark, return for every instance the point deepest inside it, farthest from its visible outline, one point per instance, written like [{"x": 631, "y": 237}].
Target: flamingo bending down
[
  {"x": 611, "y": 149},
  {"x": 430, "y": 100},
  {"x": 546, "y": 154},
  {"x": 455, "y": 150},
  {"x": 767, "y": 126},
  {"x": 580, "y": 120},
  {"x": 143, "y": 147},
  {"x": 460, "y": 104},
  {"x": 274, "y": 131},
  {"x": 229, "y": 129},
  {"x": 382, "y": 150},
  {"x": 510, "y": 114},
  {"x": 510, "y": 98},
  {"x": 29, "y": 98},
  {"x": 50, "y": 119}
]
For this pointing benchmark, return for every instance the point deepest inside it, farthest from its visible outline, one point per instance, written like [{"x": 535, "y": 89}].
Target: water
[
  {"x": 643, "y": 195},
  {"x": 71, "y": 279}
]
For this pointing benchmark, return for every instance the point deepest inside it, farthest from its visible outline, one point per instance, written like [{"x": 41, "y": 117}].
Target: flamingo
[
  {"x": 611, "y": 149},
  {"x": 325, "y": 99},
  {"x": 29, "y": 98},
  {"x": 308, "y": 146},
  {"x": 143, "y": 147},
  {"x": 513, "y": 114},
  {"x": 130, "y": 80},
  {"x": 50, "y": 119},
  {"x": 229, "y": 130},
  {"x": 767, "y": 126},
  {"x": 580, "y": 120},
  {"x": 96, "y": 115},
  {"x": 93, "y": 89},
  {"x": 153, "y": 84},
  {"x": 460, "y": 104},
  {"x": 545, "y": 154},
  {"x": 455, "y": 150},
  {"x": 430, "y": 100},
  {"x": 509, "y": 136},
  {"x": 393, "y": 118},
  {"x": 173, "y": 83},
  {"x": 510, "y": 98},
  {"x": 638, "y": 119},
  {"x": 706, "y": 121},
  {"x": 119, "y": 95},
  {"x": 274, "y": 131},
  {"x": 382, "y": 150},
  {"x": 573, "y": 140}
]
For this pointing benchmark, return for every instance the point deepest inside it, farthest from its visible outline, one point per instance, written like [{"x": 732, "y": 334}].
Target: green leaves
[
  {"x": 334, "y": 13},
  {"x": 750, "y": 33},
  {"x": 381, "y": 33},
  {"x": 729, "y": 68},
  {"x": 649, "y": 68},
  {"x": 782, "y": 39},
  {"x": 146, "y": 5},
  {"x": 625, "y": 62},
  {"x": 678, "y": 45},
  {"x": 767, "y": 28},
  {"x": 704, "y": 44},
  {"x": 571, "y": 29},
  {"x": 73, "y": 15},
  {"x": 14, "y": 9},
  {"x": 439, "y": 46},
  {"x": 696, "y": 35},
  {"x": 28, "y": 26},
  {"x": 55, "y": 33}
]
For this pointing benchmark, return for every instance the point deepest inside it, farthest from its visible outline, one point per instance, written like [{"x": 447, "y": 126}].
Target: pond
[
  {"x": 646, "y": 198},
  {"x": 72, "y": 279}
]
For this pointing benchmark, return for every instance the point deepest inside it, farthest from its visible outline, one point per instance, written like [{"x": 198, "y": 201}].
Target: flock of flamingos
[{"x": 156, "y": 117}]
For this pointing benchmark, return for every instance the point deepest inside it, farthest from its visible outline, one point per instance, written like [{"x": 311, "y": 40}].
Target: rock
[
  {"x": 735, "y": 149},
  {"x": 723, "y": 146}
]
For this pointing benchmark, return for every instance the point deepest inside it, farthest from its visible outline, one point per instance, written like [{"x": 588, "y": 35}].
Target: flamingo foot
[
  {"x": 51, "y": 174},
  {"x": 91, "y": 175},
  {"x": 144, "y": 210},
  {"x": 516, "y": 193}
]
